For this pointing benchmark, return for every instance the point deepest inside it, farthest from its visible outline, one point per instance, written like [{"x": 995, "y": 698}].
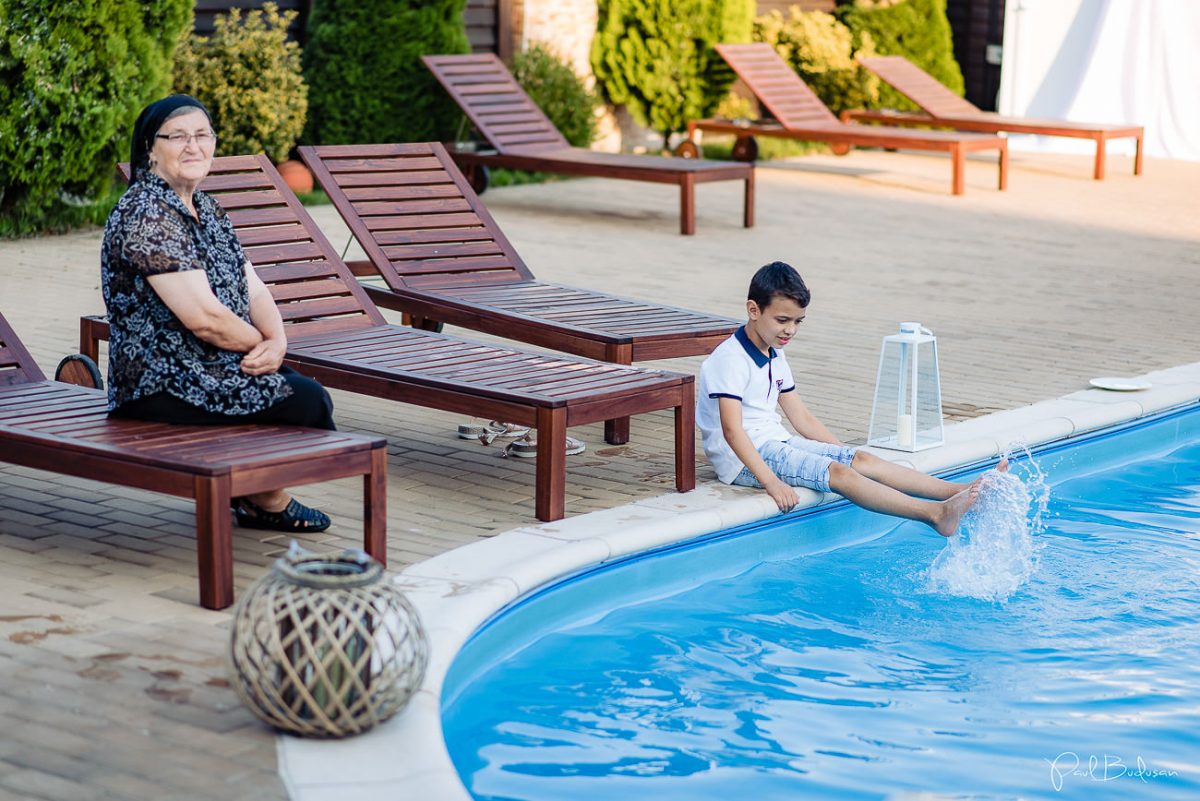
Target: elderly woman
[{"x": 195, "y": 335}]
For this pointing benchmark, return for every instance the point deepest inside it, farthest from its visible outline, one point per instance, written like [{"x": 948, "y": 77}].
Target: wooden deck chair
[
  {"x": 941, "y": 108},
  {"x": 66, "y": 429},
  {"x": 799, "y": 114},
  {"x": 339, "y": 337},
  {"x": 444, "y": 258},
  {"x": 521, "y": 137}
]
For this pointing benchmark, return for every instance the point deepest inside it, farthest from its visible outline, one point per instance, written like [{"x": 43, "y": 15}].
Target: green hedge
[
  {"x": 73, "y": 77},
  {"x": 366, "y": 82},
  {"x": 558, "y": 92},
  {"x": 822, "y": 51},
  {"x": 248, "y": 74},
  {"x": 915, "y": 29},
  {"x": 656, "y": 57}
]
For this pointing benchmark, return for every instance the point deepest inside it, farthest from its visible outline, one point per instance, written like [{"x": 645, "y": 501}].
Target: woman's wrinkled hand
[{"x": 264, "y": 358}]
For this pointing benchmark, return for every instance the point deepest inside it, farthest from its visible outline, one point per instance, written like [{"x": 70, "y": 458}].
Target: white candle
[{"x": 904, "y": 431}]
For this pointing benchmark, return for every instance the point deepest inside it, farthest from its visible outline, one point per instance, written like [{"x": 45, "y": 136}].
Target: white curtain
[{"x": 1118, "y": 61}]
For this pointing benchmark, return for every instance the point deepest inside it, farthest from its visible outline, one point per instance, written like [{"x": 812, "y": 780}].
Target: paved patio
[{"x": 112, "y": 679}]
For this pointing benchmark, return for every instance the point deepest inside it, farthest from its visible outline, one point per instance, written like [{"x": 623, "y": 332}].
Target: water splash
[{"x": 994, "y": 553}]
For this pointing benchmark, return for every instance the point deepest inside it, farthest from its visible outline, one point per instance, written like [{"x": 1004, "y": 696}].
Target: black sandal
[{"x": 295, "y": 517}]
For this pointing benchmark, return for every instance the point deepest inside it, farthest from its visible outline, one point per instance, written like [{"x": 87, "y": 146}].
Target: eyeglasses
[{"x": 180, "y": 138}]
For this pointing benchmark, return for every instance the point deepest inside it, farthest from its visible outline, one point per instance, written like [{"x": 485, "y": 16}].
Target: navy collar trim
[{"x": 756, "y": 355}]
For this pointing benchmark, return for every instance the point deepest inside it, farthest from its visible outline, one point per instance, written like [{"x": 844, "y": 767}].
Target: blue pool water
[{"x": 825, "y": 657}]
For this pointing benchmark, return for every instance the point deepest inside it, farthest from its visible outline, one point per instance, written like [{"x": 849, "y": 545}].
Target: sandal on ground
[
  {"x": 295, "y": 517},
  {"x": 526, "y": 447},
  {"x": 490, "y": 431}
]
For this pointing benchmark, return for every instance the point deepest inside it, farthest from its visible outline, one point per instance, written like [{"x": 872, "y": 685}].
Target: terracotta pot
[{"x": 296, "y": 176}]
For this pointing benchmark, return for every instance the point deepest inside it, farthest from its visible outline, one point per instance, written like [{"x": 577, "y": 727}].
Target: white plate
[{"x": 1120, "y": 384}]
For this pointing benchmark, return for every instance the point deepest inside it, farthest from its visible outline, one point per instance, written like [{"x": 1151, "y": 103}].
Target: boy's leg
[
  {"x": 907, "y": 480},
  {"x": 863, "y": 491}
]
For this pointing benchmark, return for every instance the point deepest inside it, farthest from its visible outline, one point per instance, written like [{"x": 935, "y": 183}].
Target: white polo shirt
[{"x": 738, "y": 369}]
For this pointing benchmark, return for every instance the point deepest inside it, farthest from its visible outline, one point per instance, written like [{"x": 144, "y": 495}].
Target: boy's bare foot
[
  {"x": 951, "y": 511},
  {"x": 1002, "y": 467}
]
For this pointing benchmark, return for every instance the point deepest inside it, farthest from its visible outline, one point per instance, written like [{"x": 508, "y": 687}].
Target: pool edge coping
[{"x": 458, "y": 591}]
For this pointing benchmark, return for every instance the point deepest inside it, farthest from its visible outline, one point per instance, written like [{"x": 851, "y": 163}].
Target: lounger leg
[
  {"x": 89, "y": 343},
  {"x": 1100, "y": 156},
  {"x": 748, "y": 203},
  {"x": 616, "y": 431},
  {"x": 959, "y": 159},
  {"x": 1137, "y": 157},
  {"x": 685, "y": 440},
  {"x": 214, "y": 541},
  {"x": 375, "y": 506},
  {"x": 551, "y": 464},
  {"x": 1004, "y": 165},
  {"x": 687, "y": 205}
]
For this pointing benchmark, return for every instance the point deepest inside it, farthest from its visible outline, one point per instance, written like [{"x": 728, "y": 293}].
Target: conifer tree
[
  {"x": 656, "y": 57},
  {"x": 366, "y": 82}
]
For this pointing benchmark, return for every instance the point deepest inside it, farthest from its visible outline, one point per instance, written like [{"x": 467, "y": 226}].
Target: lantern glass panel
[{"x": 907, "y": 412}]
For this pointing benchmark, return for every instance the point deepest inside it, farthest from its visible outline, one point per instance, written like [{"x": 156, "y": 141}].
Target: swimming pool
[{"x": 813, "y": 657}]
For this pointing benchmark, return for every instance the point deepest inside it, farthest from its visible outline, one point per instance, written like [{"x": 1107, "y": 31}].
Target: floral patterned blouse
[{"x": 151, "y": 232}]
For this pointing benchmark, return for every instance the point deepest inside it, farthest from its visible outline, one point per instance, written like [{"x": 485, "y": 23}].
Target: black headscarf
[{"x": 148, "y": 122}]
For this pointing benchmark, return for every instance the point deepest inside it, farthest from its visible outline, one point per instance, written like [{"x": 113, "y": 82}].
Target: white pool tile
[
  {"x": 402, "y": 748},
  {"x": 1090, "y": 416},
  {"x": 1035, "y": 432},
  {"x": 428, "y": 786},
  {"x": 1167, "y": 396},
  {"x": 524, "y": 558},
  {"x": 458, "y": 600},
  {"x": 957, "y": 453}
]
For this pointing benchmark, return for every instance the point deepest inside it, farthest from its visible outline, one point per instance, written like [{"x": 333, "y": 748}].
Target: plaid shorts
[{"x": 799, "y": 462}]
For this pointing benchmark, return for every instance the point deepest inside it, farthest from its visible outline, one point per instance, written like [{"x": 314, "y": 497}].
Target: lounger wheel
[
  {"x": 479, "y": 177},
  {"x": 428, "y": 324},
  {"x": 79, "y": 370},
  {"x": 840, "y": 148},
  {"x": 745, "y": 149},
  {"x": 688, "y": 149}
]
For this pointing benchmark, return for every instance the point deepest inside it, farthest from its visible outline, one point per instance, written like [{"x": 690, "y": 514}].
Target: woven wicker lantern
[{"x": 323, "y": 646}]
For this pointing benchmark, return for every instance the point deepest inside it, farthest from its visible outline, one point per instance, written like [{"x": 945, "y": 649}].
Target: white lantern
[{"x": 907, "y": 413}]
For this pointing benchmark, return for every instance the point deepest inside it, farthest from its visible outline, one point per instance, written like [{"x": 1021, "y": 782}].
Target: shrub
[
  {"x": 656, "y": 56},
  {"x": 915, "y": 29},
  {"x": 73, "y": 77},
  {"x": 559, "y": 92},
  {"x": 366, "y": 82},
  {"x": 248, "y": 74},
  {"x": 822, "y": 51}
]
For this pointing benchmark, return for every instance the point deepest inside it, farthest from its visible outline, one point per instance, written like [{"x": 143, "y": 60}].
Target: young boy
[{"x": 743, "y": 381}]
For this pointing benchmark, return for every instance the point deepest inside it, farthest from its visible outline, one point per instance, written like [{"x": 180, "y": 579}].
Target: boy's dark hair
[{"x": 775, "y": 279}]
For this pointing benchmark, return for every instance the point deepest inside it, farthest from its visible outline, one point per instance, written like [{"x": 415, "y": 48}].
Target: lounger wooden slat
[
  {"x": 942, "y": 108},
  {"x": 338, "y": 336},
  {"x": 537, "y": 145},
  {"x": 420, "y": 222},
  {"x": 464, "y": 271},
  {"x": 308, "y": 289},
  {"x": 66, "y": 429},
  {"x": 799, "y": 114},
  {"x": 282, "y": 253}
]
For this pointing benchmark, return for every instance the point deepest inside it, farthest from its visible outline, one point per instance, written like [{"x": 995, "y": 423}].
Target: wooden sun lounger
[
  {"x": 521, "y": 137},
  {"x": 445, "y": 259},
  {"x": 799, "y": 114},
  {"x": 66, "y": 429},
  {"x": 339, "y": 337},
  {"x": 941, "y": 108}
]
